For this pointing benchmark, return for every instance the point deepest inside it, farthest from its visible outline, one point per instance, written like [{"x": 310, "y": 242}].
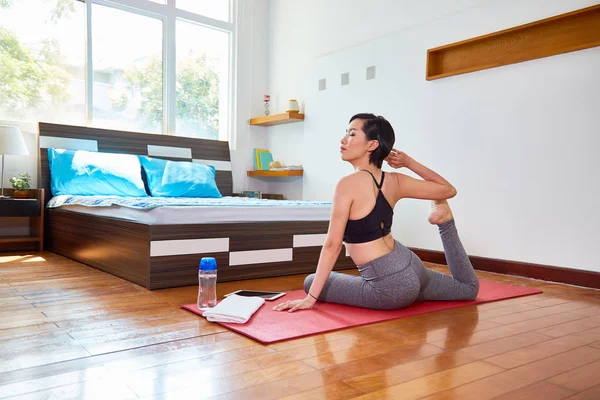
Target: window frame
[{"x": 169, "y": 14}]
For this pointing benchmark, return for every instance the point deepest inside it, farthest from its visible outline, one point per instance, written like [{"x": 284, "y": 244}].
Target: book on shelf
[
  {"x": 255, "y": 194},
  {"x": 262, "y": 158}
]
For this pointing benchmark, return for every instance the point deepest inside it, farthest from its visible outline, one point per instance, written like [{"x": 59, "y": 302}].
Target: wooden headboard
[{"x": 167, "y": 147}]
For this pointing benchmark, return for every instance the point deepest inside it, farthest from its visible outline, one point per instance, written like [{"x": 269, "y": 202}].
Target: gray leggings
[{"x": 399, "y": 278}]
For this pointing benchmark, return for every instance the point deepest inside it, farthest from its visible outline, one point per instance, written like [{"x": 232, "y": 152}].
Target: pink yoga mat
[{"x": 268, "y": 326}]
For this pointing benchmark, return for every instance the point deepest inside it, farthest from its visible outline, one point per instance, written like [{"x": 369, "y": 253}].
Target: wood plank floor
[{"x": 68, "y": 331}]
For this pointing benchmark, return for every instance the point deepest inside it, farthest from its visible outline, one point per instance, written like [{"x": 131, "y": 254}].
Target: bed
[{"x": 160, "y": 246}]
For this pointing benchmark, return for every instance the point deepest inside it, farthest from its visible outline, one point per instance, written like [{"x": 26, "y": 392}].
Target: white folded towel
[{"x": 235, "y": 309}]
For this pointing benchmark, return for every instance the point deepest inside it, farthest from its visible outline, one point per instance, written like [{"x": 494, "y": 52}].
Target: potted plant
[{"x": 21, "y": 184}]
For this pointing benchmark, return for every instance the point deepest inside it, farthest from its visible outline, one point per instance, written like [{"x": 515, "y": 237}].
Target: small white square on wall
[
  {"x": 322, "y": 84},
  {"x": 371, "y": 72},
  {"x": 345, "y": 78}
]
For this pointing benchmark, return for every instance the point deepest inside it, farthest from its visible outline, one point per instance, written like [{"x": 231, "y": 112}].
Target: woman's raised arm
[{"x": 432, "y": 187}]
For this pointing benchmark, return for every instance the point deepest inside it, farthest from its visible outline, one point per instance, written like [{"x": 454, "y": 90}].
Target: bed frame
[{"x": 163, "y": 256}]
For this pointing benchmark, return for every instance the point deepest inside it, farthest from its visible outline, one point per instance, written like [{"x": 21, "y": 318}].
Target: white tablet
[{"x": 269, "y": 296}]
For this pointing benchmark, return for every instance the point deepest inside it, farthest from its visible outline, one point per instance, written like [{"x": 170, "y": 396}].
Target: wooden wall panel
[
  {"x": 44, "y": 174},
  {"x": 224, "y": 181},
  {"x": 112, "y": 141},
  {"x": 564, "y": 33}
]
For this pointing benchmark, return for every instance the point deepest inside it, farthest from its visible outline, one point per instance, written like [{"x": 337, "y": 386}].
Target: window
[
  {"x": 202, "y": 74},
  {"x": 153, "y": 66},
  {"x": 127, "y": 69},
  {"x": 42, "y": 61}
]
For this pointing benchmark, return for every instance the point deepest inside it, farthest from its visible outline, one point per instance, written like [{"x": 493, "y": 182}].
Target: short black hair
[{"x": 377, "y": 128}]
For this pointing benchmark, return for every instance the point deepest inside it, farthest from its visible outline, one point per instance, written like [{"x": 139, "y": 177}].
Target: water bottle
[{"x": 207, "y": 279}]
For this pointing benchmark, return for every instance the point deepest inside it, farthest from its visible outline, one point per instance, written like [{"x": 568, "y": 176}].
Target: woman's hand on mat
[
  {"x": 398, "y": 159},
  {"x": 294, "y": 305}
]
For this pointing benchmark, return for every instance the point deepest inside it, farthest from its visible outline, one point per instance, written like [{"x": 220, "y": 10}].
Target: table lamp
[{"x": 11, "y": 144}]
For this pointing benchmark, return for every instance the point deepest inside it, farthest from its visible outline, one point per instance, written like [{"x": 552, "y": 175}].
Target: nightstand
[{"x": 32, "y": 207}]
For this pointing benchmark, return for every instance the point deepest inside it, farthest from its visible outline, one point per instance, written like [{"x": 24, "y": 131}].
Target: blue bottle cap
[{"x": 208, "y": 264}]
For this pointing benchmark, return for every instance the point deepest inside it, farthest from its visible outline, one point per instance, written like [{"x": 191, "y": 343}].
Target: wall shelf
[
  {"x": 294, "y": 172},
  {"x": 278, "y": 119},
  {"x": 563, "y": 33}
]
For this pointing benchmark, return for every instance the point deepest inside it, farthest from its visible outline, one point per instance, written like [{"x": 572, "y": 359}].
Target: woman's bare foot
[{"x": 440, "y": 212}]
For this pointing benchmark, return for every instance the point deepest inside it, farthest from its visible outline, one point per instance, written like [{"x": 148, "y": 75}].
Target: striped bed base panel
[
  {"x": 242, "y": 250},
  {"x": 164, "y": 256}
]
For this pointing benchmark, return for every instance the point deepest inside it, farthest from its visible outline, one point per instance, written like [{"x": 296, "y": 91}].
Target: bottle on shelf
[
  {"x": 267, "y": 100},
  {"x": 207, "y": 282}
]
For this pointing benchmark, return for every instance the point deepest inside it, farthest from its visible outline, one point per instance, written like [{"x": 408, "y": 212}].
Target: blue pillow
[
  {"x": 88, "y": 173},
  {"x": 179, "y": 178}
]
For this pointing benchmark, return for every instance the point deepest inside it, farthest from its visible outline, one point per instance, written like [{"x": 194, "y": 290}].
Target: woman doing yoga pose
[{"x": 391, "y": 275}]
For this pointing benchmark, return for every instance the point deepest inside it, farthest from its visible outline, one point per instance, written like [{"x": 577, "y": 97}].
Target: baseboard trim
[{"x": 537, "y": 271}]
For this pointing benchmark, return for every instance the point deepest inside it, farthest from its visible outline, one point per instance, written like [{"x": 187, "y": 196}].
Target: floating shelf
[
  {"x": 278, "y": 119},
  {"x": 563, "y": 33},
  {"x": 294, "y": 172}
]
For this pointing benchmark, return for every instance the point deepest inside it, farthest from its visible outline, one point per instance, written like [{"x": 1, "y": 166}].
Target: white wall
[
  {"x": 252, "y": 73},
  {"x": 15, "y": 165},
  {"x": 517, "y": 141}
]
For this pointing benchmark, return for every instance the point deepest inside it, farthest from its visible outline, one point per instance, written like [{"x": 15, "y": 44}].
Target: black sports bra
[{"x": 375, "y": 225}]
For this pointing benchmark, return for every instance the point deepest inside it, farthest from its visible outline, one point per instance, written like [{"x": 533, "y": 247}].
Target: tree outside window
[
  {"x": 42, "y": 61},
  {"x": 43, "y": 69}
]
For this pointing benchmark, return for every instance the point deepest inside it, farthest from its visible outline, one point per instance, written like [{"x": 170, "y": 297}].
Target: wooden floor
[{"x": 69, "y": 331}]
